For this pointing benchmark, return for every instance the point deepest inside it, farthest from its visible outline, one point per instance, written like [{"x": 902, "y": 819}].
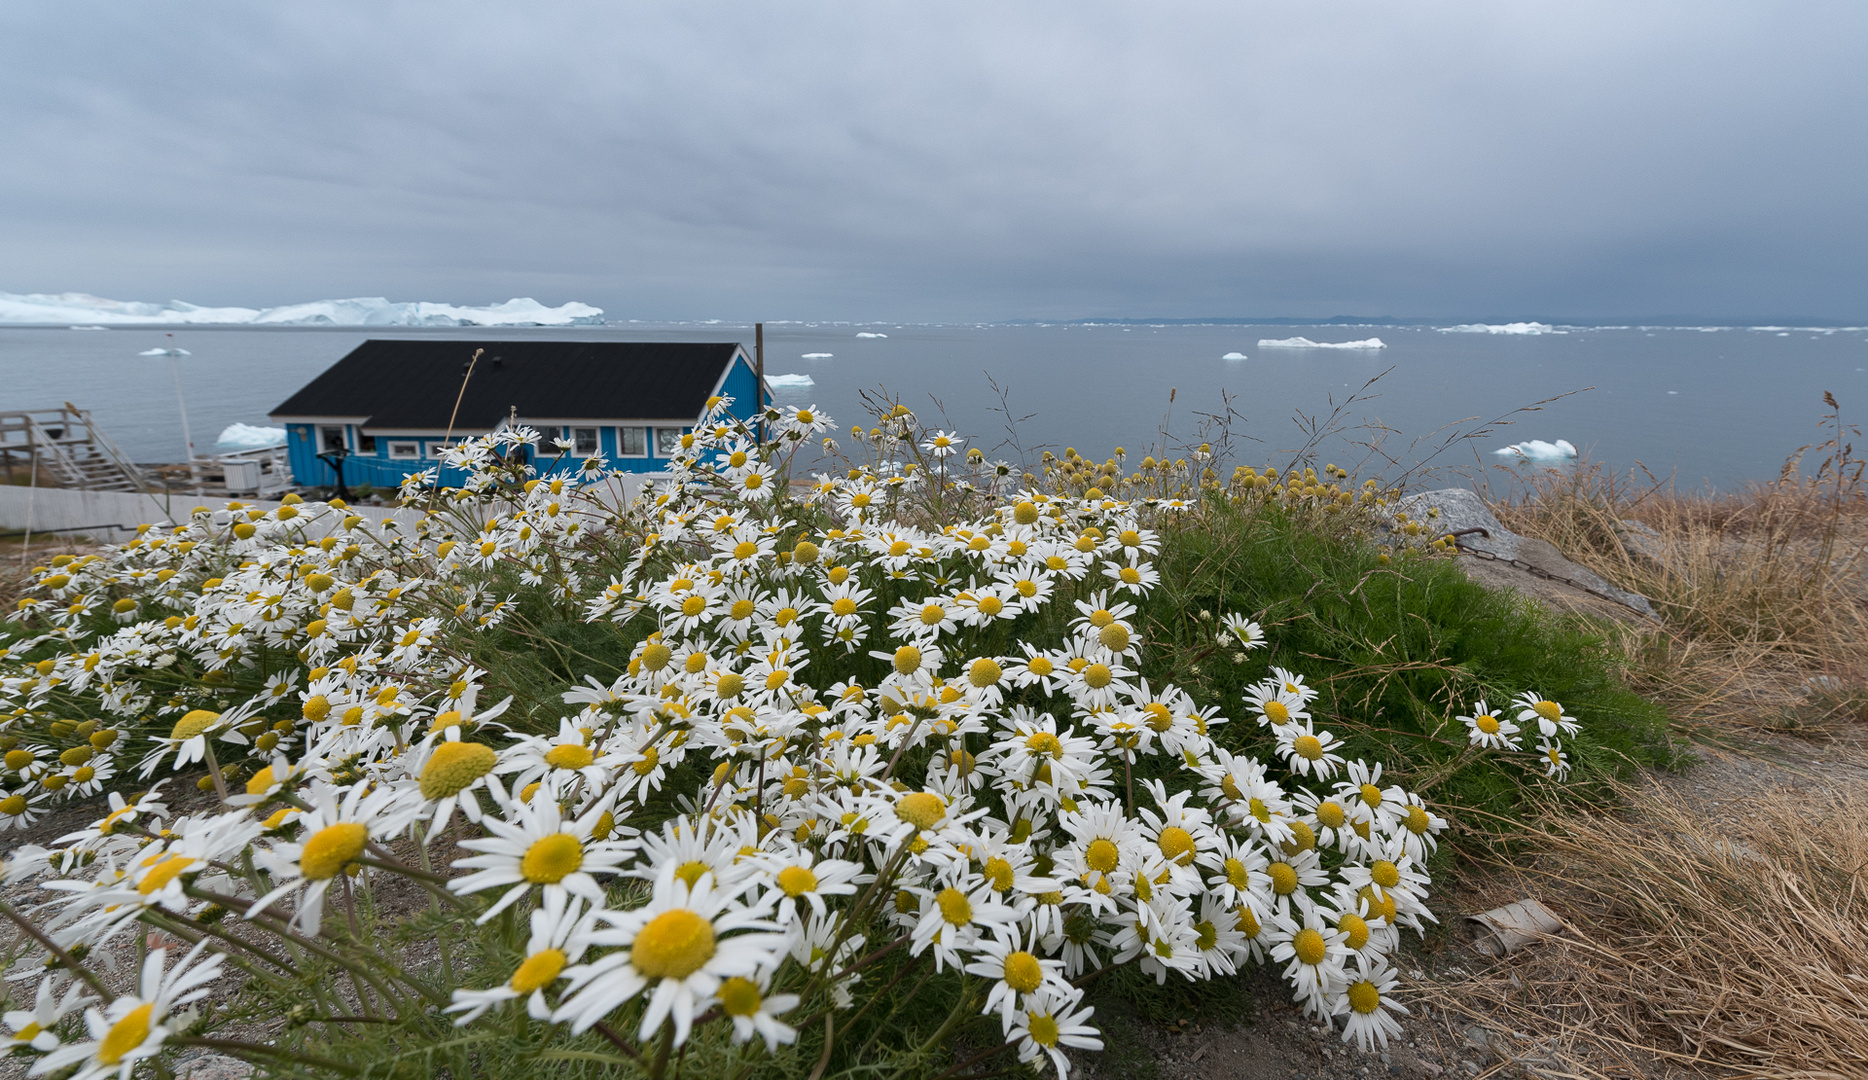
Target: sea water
[{"x": 1724, "y": 406}]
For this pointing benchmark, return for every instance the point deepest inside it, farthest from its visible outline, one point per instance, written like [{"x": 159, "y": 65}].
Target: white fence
[{"x": 112, "y": 516}]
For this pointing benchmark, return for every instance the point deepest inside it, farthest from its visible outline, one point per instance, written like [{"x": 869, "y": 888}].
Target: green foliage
[{"x": 1398, "y": 647}]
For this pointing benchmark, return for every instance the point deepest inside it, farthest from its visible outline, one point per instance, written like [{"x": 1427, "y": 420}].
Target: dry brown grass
[
  {"x": 1730, "y": 945},
  {"x": 1762, "y": 594}
]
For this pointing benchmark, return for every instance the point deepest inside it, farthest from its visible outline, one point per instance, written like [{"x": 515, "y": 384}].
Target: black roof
[{"x": 412, "y": 384}]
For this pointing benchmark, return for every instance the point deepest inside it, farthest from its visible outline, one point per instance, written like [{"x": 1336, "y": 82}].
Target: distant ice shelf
[
  {"x": 1501, "y": 328},
  {"x": 1306, "y": 343},
  {"x": 1539, "y": 450},
  {"x": 82, "y": 308},
  {"x": 783, "y": 382}
]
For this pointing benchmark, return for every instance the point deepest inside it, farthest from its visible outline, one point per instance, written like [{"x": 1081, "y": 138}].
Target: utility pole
[{"x": 758, "y": 394}]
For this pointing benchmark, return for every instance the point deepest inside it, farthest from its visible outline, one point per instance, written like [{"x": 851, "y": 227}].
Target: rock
[
  {"x": 1460, "y": 510},
  {"x": 212, "y": 1066},
  {"x": 1471, "y": 1067},
  {"x": 1641, "y": 541},
  {"x": 1431, "y": 1069}
]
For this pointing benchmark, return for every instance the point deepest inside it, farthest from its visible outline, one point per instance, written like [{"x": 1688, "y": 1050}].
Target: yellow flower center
[
  {"x": 1330, "y": 814},
  {"x": 1309, "y": 946},
  {"x": 998, "y": 872},
  {"x": 932, "y": 614},
  {"x": 551, "y": 859},
  {"x": 1045, "y": 743},
  {"x": 162, "y": 873},
  {"x": 125, "y": 1035},
  {"x": 907, "y": 660},
  {"x": 331, "y": 848},
  {"x": 569, "y": 756},
  {"x": 1283, "y": 878},
  {"x": 1102, "y": 856},
  {"x": 1487, "y": 723},
  {"x": 1384, "y": 873},
  {"x": 843, "y": 606},
  {"x": 922, "y": 809},
  {"x": 1236, "y": 874},
  {"x": 1040, "y": 666},
  {"x": 1356, "y": 927},
  {"x": 674, "y": 945},
  {"x": 1097, "y": 676},
  {"x": 1043, "y": 1028},
  {"x": 539, "y": 969},
  {"x": 1176, "y": 844},
  {"x": 1303, "y": 838},
  {"x": 984, "y": 672},
  {"x": 1417, "y": 821},
  {"x": 1549, "y": 710},
  {"x": 1307, "y": 747},
  {"x": 1364, "y": 998},
  {"x": 1023, "y": 973},
  {"x": 1371, "y": 795},
  {"x": 740, "y": 996},
  {"x": 1115, "y": 637},
  {"x": 453, "y": 767},
  {"x": 1276, "y": 712},
  {"x": 954, "y": 906},
  {"x": 730, "y": 685},
  {"x": 655, "y": 656},
  {"x": 194, "y": 723},
  {"x": 691, "y": 872},
  {"x": 796, "y": 880}
]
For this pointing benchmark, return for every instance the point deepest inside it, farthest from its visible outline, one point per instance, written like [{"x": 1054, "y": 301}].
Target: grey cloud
[{"x": 944, "y": 161}]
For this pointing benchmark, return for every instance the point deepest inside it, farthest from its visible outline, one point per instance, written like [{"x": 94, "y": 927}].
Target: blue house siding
[{"x": 378, "y": 469}]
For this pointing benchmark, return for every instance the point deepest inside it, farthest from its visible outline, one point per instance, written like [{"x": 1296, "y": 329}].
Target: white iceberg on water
[
  {"x": 870, "y": 335},
  {"x": 250, "y": 437},
  {"x": 816, "y": 356},
  {"x": 48, "y": 308},
  {"x": 1234, "y": 355},
  {"x": 782, "y": 382},
  {"x": 1539, "y": 450},
  {"x": 1306, "y": 343},
  {"x": 1501, "y": 328}
]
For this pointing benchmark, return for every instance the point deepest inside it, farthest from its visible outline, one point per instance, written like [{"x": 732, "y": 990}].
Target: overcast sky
[{"x": 945, "y": 161}]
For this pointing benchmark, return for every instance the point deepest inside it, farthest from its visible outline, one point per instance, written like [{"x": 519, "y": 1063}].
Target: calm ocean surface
[{"x": 1724, "y": 406}]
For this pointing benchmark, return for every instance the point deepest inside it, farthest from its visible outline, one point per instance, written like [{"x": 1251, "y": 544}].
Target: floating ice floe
[
  {"x": 165, "y": 352},
  {"x": 781, "y": 382},
  {"x": 1306, "y": 343},
  {"x": 1233, "y": 356},
  {"x": 867, "y": 334},
  {"x": 1501, "y": 328},
  {"x": 1539, "y": 450},
  {"x": 817, "y": 356},
  {"x": 250, "y": 437},
  {"x": 48, "y": 308},
  {"x": 87, "y": 328}
]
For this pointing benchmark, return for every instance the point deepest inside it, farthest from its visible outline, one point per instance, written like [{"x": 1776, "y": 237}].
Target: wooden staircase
[{"x": 64, "y": 445}]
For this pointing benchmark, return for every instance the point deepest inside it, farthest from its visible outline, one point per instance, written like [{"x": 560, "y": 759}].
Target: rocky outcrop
[{"x": 1502, "y": 557}]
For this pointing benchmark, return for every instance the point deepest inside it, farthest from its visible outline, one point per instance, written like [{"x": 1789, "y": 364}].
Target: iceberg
[
  {"x": 1233, "y": 356},
  {"x": 1501, "y": 328},
  {"x": 866, "y": 334},
  {"x": 250, "y": 437},
  {"x": 165, "y": 352},
  {"x": 1306, "y": 343},
  {"x": 817, "y": 356},
  {"x": 783, "y": 382},
  {"x": 69, "y": 308},
  {"x": 1539, "y": 450}
]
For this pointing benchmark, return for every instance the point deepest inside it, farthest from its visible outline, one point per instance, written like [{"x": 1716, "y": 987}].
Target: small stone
[
  {"x": 1385, "y": 1058},
  {"x": 1431, "y": 1069},
  {"x": 1471, "y": 1067}
]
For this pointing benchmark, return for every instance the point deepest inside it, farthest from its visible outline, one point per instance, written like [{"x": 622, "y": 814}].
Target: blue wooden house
[{"x": 386, "y": 405}]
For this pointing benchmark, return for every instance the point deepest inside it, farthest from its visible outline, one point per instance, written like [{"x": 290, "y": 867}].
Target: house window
[
  {"x": 366, "y": 444},
  {"x": 667, "y": 441},
  {"x": 331, "y": 439},
  {"x": 632, "y": 442},
  {"x": 438, "y": 449},
  {"x": 584, "y": 441},
  {"x": 405, "y": 451}
]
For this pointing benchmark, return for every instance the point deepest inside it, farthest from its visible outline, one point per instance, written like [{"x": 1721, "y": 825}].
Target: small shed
[{"x": 387, "y": 404}]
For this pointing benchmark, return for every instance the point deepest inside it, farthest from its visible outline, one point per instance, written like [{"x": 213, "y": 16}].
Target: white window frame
[
  {"x": 596, "y": 441},
  {"x": 343, "y": 437},
  {"x": 643, "y": 430},
  {"x": 397, "y": 446},
  {"x": 437, "y": 448},
  {"x": 675, "y": 434}
]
